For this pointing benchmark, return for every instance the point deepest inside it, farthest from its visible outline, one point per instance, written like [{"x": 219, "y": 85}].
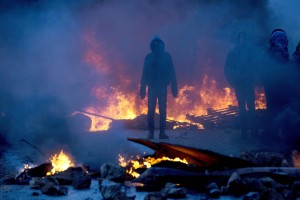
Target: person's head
[
  {"x": 157, "y": 45},
  {"x": 279, "y": 39},
  {"x": 279, "y": 45}
]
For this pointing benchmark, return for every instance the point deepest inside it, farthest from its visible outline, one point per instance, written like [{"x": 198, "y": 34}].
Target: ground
[{"x": 97, "y": 148}]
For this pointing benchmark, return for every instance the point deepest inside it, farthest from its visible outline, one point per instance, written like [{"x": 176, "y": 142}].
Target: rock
[
  {"x": 224, "y": 189},
  {"x": 54, "y": 190},
  {"x": 252, "y": 196},
  {"x": 268, "y": 182},
  {"x": 296, "y": 189},
  {"x": 111, "y": 190},
  {"x": 35, "y": 194},
  {"x": 213, "y": 190},
  {"x": 41, "y": 170},
  {"x": 67, "y": 177},
  {"x": 82, "y": 182},
  {"x": 172, "y": 191},
  {"x": 267, "y": 159},
  {"x": 214, "y": 193},
  {"x": 154, "y": 196},
  {"x": 233, "y": 179},
  {"x": 50, "y": 186},
  {"x": 235, "y": 185},
  {"x": 211, "y": 186},
  {"x": 254, "y": 184},
  {"x": 35, "y": 183},
  {"x": 111, "y": 171},
  {"x": 271, "y": 194}
]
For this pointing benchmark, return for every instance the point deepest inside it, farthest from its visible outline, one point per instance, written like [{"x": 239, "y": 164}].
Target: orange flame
[
  {"x": 60, "y": 162},
  {"x": 260, "y": 98},
  {"x": 132, "y": 165}
]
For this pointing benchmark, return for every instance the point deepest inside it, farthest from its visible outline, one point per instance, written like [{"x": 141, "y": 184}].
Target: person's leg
[
  {"x": 152, "y": 98},
  {"x": 162, "y": 103},
  {"x": 251, "y": 111},
  {"x": 239, "y": 93}
]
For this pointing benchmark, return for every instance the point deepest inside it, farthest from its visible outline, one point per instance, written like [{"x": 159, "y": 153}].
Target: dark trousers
[
  {"x": 246, "y": 97},
  {"x": 154, "y": 95}
]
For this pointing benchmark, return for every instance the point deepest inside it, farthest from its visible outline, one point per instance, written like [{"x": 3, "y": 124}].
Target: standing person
[
  {"x": 158, "y": 73},
  {"x": 277, "y": 78},
  {"x": 296, "y": 56},
  {"x": 240, "y": 72},
  {"x": 277, "y": 71}
]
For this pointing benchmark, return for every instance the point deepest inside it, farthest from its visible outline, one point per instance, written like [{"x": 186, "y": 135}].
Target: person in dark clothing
[
  {"x": 158, "y": 73},
  {"x": 296, "y": 57},
  {"x": 240, "y": 73},
  {"x": 277, "y": 71},
  {"x": 278, "y": 78}
]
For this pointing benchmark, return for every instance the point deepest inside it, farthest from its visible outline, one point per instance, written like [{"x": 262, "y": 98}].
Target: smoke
[{"x": 45, "y": 75}]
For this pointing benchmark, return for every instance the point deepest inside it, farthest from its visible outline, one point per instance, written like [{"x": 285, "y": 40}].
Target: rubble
[
  {"x": 111, "y": 171},
  {"x": 172, "y": 190},
  {"x": 255, "y": 175}
]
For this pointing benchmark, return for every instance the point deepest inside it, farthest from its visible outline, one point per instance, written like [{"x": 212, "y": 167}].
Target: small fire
[
  {"x": 132, "y": 165},
  {"x": 60, "y": 162},
  {"x": 296, "y": 158},
  {"x": 260, "y": 98}
]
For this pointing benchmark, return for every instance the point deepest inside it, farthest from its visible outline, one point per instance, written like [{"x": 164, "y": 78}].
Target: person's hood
[{"x": 156, "y": 38}]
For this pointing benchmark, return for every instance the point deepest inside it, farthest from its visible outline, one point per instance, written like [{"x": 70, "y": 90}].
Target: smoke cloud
[{"x": 45, "y": 75}]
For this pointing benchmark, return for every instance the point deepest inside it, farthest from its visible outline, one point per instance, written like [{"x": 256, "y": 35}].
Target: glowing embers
[
  {"x": 134, "y": 166},
  {"x": 60, "y": 162},
  {"x": 260, "y": 99}
]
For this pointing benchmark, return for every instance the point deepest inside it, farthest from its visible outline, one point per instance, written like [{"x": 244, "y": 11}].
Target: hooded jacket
[
  {"x": 278, "y": 48},
  {"x": 158, "y": 69}
]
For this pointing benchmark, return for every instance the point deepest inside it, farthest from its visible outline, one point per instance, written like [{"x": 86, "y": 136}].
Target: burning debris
[
  {"x": 60, "y": 162},
  {"x": 173, "y": 171},
  {"x": 221, "y": 175}
]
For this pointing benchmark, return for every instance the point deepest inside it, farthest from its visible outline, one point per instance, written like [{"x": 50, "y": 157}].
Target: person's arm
[
  {"x": 173, "y": 80},
  {"x": 143, "y": 84}
]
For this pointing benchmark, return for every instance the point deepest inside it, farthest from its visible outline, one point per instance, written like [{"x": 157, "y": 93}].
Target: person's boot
[
  {"x": 150, "y": 135},
  {"x": 163, "y": 135}
]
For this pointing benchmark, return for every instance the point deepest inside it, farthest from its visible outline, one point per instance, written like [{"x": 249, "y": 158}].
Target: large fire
[
  {"x": 60, "y": 162},
  {"x": 132, "y": 165},
  {"x": 120, "y": 103}
]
